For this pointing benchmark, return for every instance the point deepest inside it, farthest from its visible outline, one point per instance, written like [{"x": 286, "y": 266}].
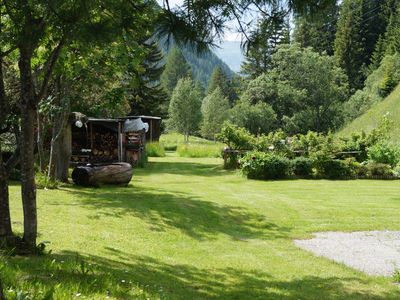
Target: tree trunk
[
  {"x": 118, "y": 173},
  {"x": 1, "y": 291},
  {"x": 39, "y": 142},
  {"x": 63, "y": 153},
  {"x": 28, "y": 121},
  {"x": 5, "y": 219}
]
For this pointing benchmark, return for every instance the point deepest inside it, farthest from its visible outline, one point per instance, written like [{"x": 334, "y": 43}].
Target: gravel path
[{"x": 373, "y": 252}]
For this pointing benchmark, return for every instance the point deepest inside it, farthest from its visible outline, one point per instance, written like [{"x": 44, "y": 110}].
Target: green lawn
[{"x": 186, "y": 229}]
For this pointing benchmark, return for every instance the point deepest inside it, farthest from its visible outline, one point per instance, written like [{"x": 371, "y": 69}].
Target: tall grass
[
  {"x": 205, "y": 150},
  {"x": 155, "y": 149}
]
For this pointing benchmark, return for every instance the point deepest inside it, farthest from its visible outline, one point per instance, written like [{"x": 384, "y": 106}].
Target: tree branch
[{"x": 49, "y": 67}]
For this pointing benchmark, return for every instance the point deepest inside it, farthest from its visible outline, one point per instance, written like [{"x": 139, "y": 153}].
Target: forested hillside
[{"x": 201, "y": 63}]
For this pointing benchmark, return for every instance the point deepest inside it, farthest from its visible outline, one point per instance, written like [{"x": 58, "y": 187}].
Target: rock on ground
[{"x": 373, "y": 252}]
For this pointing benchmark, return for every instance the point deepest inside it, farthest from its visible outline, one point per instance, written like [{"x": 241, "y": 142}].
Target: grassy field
[
  {"x": 186, "y": 229},
  {"x": 196, "y": 148},
  {"x": 369, "y": 120}
]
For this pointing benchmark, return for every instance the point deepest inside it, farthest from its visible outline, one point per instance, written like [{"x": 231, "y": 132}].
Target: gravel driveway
[{"x": 373, "y": 252}]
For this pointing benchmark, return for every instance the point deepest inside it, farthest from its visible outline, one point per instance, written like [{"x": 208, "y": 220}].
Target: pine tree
[
  {"x": 185, "y": 108},
  {"x": 318, "y": 30},
  {"x": 220, "y": 80},
  {"x": 270, "y": 33},
  {"x": 176, "y": 68},
  {"x": 148, "y": 96},
  {"x": 215, "y": 110},
  {"x": 360, "y": 26},
  {"x": 389, "y": 42}
]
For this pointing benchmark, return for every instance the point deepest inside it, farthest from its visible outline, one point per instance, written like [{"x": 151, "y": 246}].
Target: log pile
[
  {"x": 105, "y": 147},
  {"x": 94, "y": 175}
]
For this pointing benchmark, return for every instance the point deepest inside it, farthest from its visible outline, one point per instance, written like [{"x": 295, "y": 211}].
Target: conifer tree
[
  {"x": 220, "y": 80},
  {"x": 360, "y": 26},
  {"x": 270, "y": 33},
  {"x": 176, "y": 68},
  {"x": 148, "y": 96},
  {"x": 318, "y": 30}
]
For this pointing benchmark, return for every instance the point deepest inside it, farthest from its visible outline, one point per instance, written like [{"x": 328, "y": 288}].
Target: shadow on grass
[
  {"x": 197, "y": 218},
  {"x": 146, "y": 277}
]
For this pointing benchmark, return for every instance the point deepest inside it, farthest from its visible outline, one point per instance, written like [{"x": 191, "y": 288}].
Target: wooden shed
[
  {"x": 154, "y": 132},
  {"x": 112, "y": 140}
]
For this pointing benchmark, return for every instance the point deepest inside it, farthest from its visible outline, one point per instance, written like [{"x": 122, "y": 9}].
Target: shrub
[
  {"x": 302, "y": 166},
  {"x": 155, "y": 149},
  {"x": 358, "y": 169},
  {"x": 396, "y": 171},
  {"x": 192, "y": 150},
  {"x": 259, "y": 165},
  {"x": 333, "y": 169},
  {"x": 236, "y": 138},
  {"x": 384, "y": 153},
  {"x": 231, "y": 161},
  {"x": 378, "y": 169}
]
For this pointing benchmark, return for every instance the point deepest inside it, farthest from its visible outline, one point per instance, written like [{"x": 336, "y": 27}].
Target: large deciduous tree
[
  {"x": 32, "y": 26},
  {"x": 215, "y": 110}
]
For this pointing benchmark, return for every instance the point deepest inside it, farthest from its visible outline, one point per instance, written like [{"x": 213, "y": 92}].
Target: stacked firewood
[{"x": 105, "y": 147}]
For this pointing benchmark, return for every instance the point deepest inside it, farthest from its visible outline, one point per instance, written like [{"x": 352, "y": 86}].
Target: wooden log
[{"x": 94, "y": 175}]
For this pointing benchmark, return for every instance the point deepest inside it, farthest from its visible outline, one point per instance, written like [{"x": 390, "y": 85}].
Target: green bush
[
  {"x": 260, "y": 165},
  {"x": 379, "y": 169},
  {"x": 302, "y": 166},
  {"x": 236, "y": 138},
  {"x": 333, "y": 169},
  {"x": 155, "y": 149},
  {"x": 193, "y": 150},
  {"x": 384, "y": 153}
]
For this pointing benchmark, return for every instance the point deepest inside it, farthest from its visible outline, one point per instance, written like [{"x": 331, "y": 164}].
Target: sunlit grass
[
  {"x": 196, "y": 148},
  {"x": 187, "y": 229},
  {"x": 155, "y": 149}
]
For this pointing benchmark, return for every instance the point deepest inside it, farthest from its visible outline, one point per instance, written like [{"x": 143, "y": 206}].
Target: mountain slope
[
  {"x": 369, "y": 120},
  {"x": 202, "y": 64},
  {"x": 231, "y": 53}
]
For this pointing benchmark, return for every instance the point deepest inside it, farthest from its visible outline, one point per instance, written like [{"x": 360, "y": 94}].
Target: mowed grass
[
  {"x": 196, "y": 148},
  {"x": 186, "y": 229}
]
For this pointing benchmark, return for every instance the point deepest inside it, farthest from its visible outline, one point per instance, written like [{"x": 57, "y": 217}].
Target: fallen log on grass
[{"x": 96, "y": 174}]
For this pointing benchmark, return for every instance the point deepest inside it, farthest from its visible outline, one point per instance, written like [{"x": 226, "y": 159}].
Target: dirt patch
[{"x": 373, "y": 252}]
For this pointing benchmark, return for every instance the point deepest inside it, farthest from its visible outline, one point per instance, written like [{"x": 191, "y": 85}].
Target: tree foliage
[
  {"x": 318, "y": 30},
  {"x": 220, "y": 80},
  {"x": 361, "y": 24},
  {"x": 176, "y": 67},
  {"x": 215, "y": 110},
  {"x": 185, "y": 108},
  {"x": 271, "y": 31}
]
